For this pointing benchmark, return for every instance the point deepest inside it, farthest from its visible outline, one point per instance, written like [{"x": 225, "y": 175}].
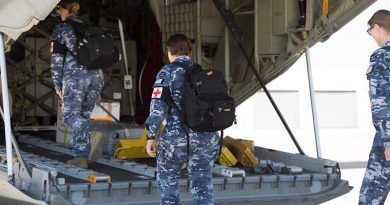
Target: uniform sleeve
[
  {"x": 176, "y": 87},
  {"x": 159, "y": 104},
  {"x": 379, "y": 79},
  {"x": 57, "y": 54},
  {"x": 69, "y": 38},
  {"x": 63, "y": 41}
]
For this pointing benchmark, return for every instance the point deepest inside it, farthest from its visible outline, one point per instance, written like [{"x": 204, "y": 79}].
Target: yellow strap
[{"x": 325, "y": 7}]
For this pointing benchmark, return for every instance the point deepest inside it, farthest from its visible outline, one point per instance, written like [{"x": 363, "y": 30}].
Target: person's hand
[
  {"x": 59, "y": 93},
  {"x": 387, "y": 153},
  {"x": 151, "y": 148}
]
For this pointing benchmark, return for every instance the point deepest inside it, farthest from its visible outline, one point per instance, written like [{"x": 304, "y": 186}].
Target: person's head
[
  {"x": 178, "y": 45},
  {"x": 69, "y": 7},
  {"x": 379, "y": 26}
]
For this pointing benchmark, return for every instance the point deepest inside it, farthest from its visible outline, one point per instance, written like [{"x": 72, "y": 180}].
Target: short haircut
[
  {"x": 179, "y": 44},
  {"x": 69, "y": 5},
  {"x": 382, "y": 18}
]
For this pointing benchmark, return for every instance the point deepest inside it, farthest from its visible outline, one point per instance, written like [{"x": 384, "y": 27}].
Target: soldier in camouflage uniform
[
  {"x": 376, "y": 181},
  {"x": 77, "y": 86},
  {"x": 172, "y": 150}
]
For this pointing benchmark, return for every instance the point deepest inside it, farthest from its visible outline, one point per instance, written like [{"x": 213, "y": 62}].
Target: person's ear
[
  {"x": 76, "y": 7},
  {"x": 169, "y": 52}
]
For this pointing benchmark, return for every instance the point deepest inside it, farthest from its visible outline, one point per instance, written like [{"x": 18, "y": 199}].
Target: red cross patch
[{"x": 157, "y": 91}]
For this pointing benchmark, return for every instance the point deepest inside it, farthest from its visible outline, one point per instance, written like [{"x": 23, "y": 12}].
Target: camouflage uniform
[
  {"x": 80, "y": 86},
  {"x": 172, "y": 143},
  {"x": 376, "y": 182}
]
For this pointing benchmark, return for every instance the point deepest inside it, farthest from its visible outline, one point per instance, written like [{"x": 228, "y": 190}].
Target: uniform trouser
[
  {"x": 376, "y": 181},
  {"x": 79, "y": 96},
  {"x": 172, "y": 154}
]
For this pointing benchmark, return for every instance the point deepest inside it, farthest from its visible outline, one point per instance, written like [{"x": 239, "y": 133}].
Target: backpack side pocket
[{"x": 223, "y": 114}]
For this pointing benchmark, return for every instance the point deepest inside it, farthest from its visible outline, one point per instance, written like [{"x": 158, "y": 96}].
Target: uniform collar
[
  {"x": 183, "y": 59},
  {"x": 72, "y": 17},
  {"x": 387, "y": 43}
]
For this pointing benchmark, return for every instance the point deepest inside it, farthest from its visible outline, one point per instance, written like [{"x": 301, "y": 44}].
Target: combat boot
[
  {"x": 79, "y": 162},
  {"x": 96, "y": 138}
]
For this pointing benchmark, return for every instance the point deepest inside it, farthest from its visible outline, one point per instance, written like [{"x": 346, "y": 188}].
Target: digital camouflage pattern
[
  {"x": 376, "y": 181},
  {"x": 172, "y": 143},
  {"x": 79, "y": 86},
  {"x": 375, "y": 185}
]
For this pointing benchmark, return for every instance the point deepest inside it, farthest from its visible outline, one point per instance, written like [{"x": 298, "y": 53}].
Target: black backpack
[
  {"x": 206, "y": 105},
  {"x": 94, "y": 47}
]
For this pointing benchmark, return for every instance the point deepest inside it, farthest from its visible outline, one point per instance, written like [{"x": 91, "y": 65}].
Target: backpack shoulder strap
[
  {"x": 185, "y": 67},
  {"x": 78, "y": 27}
]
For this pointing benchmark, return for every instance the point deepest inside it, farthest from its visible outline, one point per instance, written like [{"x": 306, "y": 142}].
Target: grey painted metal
[
  {"x": 238, "y": 38},
  {"x": 307, "y": 163},
  {"x": 38, "y": 186},
  {"x": 118, "y": 163},
  {"x": 312, "y": 187},
  {"x": 228, "y": 171},
  {"x": 343, "y": 12},
  {"x": 227, "y": 49},
  {"x": 267, "y": 189},
  {"x": 16, "y": 148},
  {"x": 198, "y": 42},
  {"x": 29, "y": 79},
  {"x": 120, "y": 25},
  {"x": 7, "y": 116},
  {"x": 256, "y": 40},
  {"x": 43, "y": 102},
  {"x": 313, "y": 104},
  {"x": 66, "y": 169},
  {"x": 35, "y": 128},
  {"x": 130, "y": 166},
  {"x": 47, "y": 144},
  {"x": 323, "y": 177}
]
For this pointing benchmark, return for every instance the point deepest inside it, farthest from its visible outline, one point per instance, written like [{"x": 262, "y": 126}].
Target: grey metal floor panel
[
  {"x": 310, "y": 187},
  {"x": 115, "y": 173}
]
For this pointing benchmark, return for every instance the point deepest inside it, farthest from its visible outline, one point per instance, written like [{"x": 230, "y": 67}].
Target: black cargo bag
[
  {"x": 206, "y": 105},
  {"x": 94, "y": 47}
]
